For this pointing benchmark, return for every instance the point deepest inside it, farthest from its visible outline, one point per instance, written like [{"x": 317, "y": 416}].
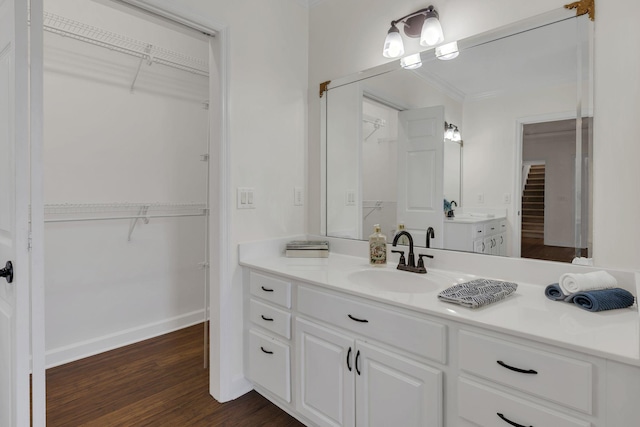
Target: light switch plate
[
  {"x": 298, "y": 196},
  {"x": 350, "y": 198},
  {"x": 245, "y": 198}
]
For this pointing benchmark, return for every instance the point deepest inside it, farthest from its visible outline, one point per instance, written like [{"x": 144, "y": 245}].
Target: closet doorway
[{"x": 126, "y": 172}]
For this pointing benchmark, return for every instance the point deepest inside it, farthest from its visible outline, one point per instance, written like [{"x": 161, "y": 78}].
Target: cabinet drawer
[
  {"x": 558, "y": 379},
  {"x": 480, "y": 405},
  {"x": 491, "y": 228},
  {"x": 477, "y": 230},
  {"x": 415, "y": 335},
  {"x": 271, "y": 318},
  {"x": 277, "y": 291},
  {"x": 269, "y": 364}
]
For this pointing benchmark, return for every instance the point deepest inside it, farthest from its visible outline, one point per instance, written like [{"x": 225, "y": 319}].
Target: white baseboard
[{"x": 80, "y": 350}]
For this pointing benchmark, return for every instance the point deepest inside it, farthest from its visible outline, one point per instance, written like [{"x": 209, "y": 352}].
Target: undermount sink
[{"x": 388, "y": 280}]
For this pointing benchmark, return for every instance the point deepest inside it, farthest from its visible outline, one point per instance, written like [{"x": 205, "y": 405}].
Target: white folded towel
[{"x": 570, "y": 283}]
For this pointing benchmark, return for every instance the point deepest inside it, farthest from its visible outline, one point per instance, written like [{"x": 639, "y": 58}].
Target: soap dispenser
[
  {"x": 377, "y": 247},
  {"x": 402, "y": 240}
]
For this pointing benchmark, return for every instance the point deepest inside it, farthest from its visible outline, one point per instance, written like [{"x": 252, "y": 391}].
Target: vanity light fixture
[
  {"x": 456, "y": 135},
  {"x": 447, "y": 51},
  {"x": 423, "y": 23},
  {"x": 448, "y": 130},
  {"x": 451, "y": 132},
  {"x": 411, "y": 62}
]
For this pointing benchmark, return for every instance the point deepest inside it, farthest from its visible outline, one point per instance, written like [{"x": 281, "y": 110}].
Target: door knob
[{"x": 7, "y": 272}]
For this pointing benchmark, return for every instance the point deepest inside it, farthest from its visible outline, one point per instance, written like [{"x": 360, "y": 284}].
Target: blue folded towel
[
  {"x": 603, "y": 299},
  {"x": 554, "y": 292}
]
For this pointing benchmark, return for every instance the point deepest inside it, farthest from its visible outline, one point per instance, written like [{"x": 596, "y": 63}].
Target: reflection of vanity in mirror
[{"x": 517, "y": 181}]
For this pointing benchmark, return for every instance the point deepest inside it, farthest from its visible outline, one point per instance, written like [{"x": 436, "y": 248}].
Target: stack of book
[{"x": 307, "y": 249}]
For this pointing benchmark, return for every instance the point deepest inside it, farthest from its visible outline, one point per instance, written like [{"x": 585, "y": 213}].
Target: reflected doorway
[{"x": 555, "y": 195}]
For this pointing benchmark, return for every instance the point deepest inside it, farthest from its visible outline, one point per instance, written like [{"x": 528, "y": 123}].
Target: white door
[
  {"x": 421, "y": 172},
  {"x": 325, "y": 375},
  {"x": 14, "y": 205},
  {"x": 394, "y": 391}
]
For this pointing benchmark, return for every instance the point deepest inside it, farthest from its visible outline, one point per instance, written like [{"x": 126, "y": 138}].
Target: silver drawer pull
[
  {"x": 268, "y": 319},
  {"x": 508, "y": 421},
  {"x": 266, "y": 351},
  {"x": 522, "y": 371}
]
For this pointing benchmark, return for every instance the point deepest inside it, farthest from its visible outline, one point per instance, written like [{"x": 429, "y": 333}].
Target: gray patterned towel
[{"x": 478, "y": 293}]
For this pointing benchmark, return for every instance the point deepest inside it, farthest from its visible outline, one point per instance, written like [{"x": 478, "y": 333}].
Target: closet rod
[
  {"x": 93, "y": 35},
  {"x": 123, "y": 217}
]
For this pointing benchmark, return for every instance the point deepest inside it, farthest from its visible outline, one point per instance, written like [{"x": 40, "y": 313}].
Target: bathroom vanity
[
  {"x": 476, "y": 234},
  {"x": 335, "y": 342}
]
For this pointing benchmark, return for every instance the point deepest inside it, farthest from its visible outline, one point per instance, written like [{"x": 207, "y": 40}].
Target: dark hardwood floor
[
  {"x": 535, "y": 248},
  {"x": 157, "y": 382}
]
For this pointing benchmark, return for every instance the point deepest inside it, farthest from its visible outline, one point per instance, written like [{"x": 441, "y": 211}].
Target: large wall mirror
[{"x": 515, "y": 179}]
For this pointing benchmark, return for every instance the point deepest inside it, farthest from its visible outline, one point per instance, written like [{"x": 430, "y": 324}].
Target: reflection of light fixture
[
  {"x": 456, "y": 135},
  {"x": 411, "y": 62},
  {"x": 451, "y": 132},
  {"x": 448, "y": 131},
  {"x": 423, "y": 23},
  {"x": 447, "y": 51}
]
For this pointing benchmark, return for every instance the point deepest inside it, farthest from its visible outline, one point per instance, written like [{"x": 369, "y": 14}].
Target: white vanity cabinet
[
  {"x": 332, "y": 358},
  {"x": 504, "y": 383},
  {"x": 269, "y": 352},
  {"x": 488, "y": 236},
  {"x": 347, "y": 379}
]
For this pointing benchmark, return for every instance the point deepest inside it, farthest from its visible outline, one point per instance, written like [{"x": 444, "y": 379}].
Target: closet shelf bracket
[
  {"x": 149, "y": 59},
  {"x": 142, "y": 214}
]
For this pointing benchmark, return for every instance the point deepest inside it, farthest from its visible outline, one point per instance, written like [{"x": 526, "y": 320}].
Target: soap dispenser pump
[
  {"x": 377, "y": 247},
  {"x": 403, "y": 240}
]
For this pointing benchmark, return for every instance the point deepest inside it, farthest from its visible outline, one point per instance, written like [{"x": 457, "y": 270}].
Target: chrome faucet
[
  {"x": 410, "y": 264},
  {"x": 431, "y": 234}
]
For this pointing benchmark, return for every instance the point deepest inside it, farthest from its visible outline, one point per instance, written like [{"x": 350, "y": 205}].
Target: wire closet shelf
[
  {"x": 72, "y": 212},
  {"x": 153, "y": 54}
]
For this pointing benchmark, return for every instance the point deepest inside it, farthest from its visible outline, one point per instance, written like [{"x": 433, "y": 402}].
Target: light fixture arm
[{"x": 413, "y": 14}]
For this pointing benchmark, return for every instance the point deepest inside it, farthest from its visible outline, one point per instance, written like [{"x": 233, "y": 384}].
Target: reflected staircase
[{"x": 533, "y": 203}]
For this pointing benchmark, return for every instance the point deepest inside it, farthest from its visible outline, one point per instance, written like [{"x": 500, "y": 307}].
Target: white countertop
[
  {"x": 470, "y": 219},
  {"x": 527, "y": 313}
]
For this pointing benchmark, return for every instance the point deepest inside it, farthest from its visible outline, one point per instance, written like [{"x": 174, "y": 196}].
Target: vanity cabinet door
[
  {"x": 325, "y": 366},
  {"x": 395, "y": 391}
]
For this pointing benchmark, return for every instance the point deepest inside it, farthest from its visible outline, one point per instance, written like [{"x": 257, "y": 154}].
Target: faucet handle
[
  {"x": 421, "y": 261},
  {"x": 402, "y": 260}
]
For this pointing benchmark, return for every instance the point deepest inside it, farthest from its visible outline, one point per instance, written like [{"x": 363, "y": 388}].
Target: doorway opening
[
  {"x": 126, "y": 167},
  {"x": 555, "y": 196}
]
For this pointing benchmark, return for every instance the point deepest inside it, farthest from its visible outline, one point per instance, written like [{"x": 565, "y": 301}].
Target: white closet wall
[{"x": 107, "y": 144}]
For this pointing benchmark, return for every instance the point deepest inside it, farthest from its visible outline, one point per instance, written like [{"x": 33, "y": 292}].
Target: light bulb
[
  {"x": 431, "y": 30},
  {"x": 411, "y": 62},
  {"x": 447, "y": 51},
  {"x": 448, "y": 134},
  {"x": 456, "y": 136},
  {"x": 393, "y": 46}
]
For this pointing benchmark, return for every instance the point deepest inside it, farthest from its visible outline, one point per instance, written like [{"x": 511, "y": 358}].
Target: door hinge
[
  {"x": 203, "y": 265},
  {"x": 29, "y": 242},
  {"x": 204, "y": 157}
]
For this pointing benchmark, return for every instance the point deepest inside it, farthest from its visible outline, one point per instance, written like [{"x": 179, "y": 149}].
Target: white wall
[
  {"x": 267, "y": 45},
  {"x": 344, "y": 117},
  {"x": 105, "y": 144},
  {"x": 354, "y": 43}
]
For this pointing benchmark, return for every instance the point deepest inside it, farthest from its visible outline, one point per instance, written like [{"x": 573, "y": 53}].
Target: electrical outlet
[
  {"x": 480, "y": 198},
  {"x": 298, "y": 197},
  {"x": 245, "y": 198}
]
